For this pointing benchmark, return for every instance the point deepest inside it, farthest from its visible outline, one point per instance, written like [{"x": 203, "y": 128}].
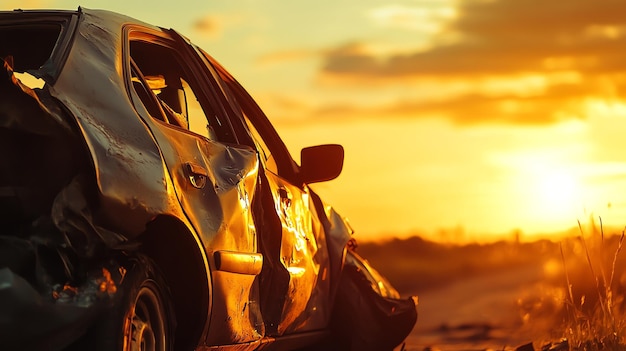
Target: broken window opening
[
  {"x": 174, "y": 90},
  {"x": 30, "y": 45}
]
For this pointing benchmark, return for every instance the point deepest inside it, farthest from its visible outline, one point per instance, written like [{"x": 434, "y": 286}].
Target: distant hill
[{"x": 415, "y": 265}]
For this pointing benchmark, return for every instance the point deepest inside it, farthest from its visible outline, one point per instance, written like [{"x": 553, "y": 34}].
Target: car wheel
[
  {"x": 146, "y": 321},
  {"x": 142, "y": 317}
]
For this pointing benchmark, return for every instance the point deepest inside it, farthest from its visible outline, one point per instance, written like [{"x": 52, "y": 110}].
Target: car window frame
[
  {"x": 217, "y": 88},
  {"x": 68, "y": 24},
  {"x": 288, "y": 169},
  {"x": 189, "y": 65}
]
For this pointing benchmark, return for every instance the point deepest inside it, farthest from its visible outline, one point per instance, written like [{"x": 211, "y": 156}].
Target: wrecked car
[{"x": 148, "y": 203}]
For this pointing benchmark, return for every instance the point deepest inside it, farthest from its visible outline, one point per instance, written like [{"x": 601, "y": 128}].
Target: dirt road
[{"x": 480, "y": 313}]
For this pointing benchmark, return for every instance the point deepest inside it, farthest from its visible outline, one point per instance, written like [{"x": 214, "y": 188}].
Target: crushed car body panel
[{"x": 129, "y": 170}]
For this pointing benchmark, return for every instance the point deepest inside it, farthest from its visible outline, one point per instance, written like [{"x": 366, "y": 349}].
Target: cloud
[
  {"x": 423, "y": 19},
  {"x": 502, "y": 40},
  {"x": 209, "y": 26},
  {"x": 213, "y": 25},
  {"x": 370, "y": 51},
  {"x": 288, "y": 55},
  {"x": 470, "y": 109},
  {"x": 522, "y": 101},
  {"x": 558, "y": 103},
  {"x": 524, "y": 18},
  {"x": 506, "y": 37}
]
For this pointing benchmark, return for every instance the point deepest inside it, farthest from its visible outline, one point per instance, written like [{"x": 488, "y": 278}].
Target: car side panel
[
  {"x": 304, "y": 255},
  {"x": 130, "y": 174},
  {"x": 299, "y": 279},
  {"x": 219, "y": 209}
]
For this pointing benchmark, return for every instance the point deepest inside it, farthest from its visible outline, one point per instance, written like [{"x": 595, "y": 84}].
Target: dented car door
[
  {"x": 214, "y": 179},
  {"x": 304, "y": 255},
  {"x": 295, "y": 282}
]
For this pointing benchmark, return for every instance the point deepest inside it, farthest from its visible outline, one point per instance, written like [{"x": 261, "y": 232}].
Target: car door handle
[
  {"x": 249, "y": 263},
  {"x": 197, "y": 175}
]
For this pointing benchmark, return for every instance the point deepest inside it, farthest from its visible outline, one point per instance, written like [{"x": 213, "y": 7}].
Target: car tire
[{"x": 142, "y": 314}]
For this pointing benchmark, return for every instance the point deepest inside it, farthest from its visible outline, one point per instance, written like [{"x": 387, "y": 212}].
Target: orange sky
[{"x": 475, "y": 118}]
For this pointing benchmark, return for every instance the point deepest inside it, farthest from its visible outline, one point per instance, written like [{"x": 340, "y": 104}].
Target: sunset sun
[{"x": 555, "y": 193}]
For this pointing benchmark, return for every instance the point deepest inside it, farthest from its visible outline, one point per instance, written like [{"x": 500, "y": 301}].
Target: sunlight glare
[
  {"x": 557, "y": 189},
  {"x": 547, "y": 186},
  {"x": 554, "y": 194}
]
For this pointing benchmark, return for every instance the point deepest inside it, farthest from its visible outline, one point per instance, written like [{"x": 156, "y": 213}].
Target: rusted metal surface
[{"x": 99, "y": 163}]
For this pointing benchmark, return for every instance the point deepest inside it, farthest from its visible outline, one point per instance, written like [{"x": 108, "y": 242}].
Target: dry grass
[{"x": 601, "y": 325}]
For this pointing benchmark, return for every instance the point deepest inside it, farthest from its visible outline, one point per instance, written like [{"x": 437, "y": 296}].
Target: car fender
[{"x": 131, "y": 178}]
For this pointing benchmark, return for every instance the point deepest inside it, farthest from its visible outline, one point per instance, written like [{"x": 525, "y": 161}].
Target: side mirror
[{"x": 321, "y": 163}]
